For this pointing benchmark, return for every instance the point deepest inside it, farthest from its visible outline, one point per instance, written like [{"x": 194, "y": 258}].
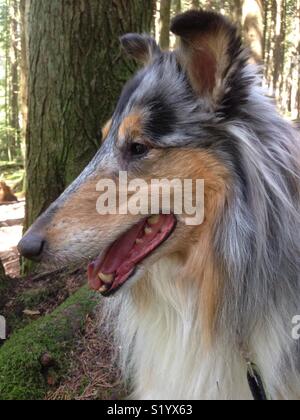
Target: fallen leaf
[{"x": 28, "y": 312}]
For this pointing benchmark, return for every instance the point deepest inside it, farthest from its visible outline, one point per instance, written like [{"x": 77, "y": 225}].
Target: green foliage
[
  {"x": 22, "y": 376},
  {"x": 9, "y": 135},
  {"x": 4, "y": 39}
]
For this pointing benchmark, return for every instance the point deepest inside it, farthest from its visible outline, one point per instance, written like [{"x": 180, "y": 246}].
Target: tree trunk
[
  {"x": 279, "y": 46},
  {"x": 253, "y": 19},
  {"x": 177, "y": 7},
  {"x": 24, "y": 10},
  {"x": 282, "y": 49},
  {"x": 267, "y": 28},
  {"x": 298, "y": 54},
  {"x": 76, "y": 72},
  {"x": 277, "y": 4},
  {"x": 165, "y": 15},
  {"x": 271, "y": 11},
  {"x": 14, "y": 78},
  {"x": 7, "y": 82},
  {"x": 237, "y": 12}
]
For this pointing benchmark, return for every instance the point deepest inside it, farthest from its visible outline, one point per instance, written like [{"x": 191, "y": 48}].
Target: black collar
[{"x": 256, "y": 383}]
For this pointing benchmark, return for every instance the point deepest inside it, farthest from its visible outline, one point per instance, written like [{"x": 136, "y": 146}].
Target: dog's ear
[
  {"x": 210, "y": 50},
  {"x": 142, "y": 48}
]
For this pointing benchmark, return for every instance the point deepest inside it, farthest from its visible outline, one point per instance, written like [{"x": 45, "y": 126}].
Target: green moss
[
  {"x": 15, "y": 321},
  {"x": 33, "y": 297},
  {"x": 22, "y": 377}
]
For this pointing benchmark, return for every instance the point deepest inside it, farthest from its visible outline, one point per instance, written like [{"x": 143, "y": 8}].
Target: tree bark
[
  {"x": 177, "y": 7},
  {"x": 165, "y": 15},
  {"x": 237, "y": 13},
  {"x": 279, "y": 47},
  {"x": 76, "y": 72},
  {"x": 24, "y": 10},
  {"x": 14, "y": 78},
  {"x": 298, "y": 51}
]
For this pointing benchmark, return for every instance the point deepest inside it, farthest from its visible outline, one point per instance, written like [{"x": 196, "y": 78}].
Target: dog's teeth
[
  {"x": 139, "y": 241},
  {"x": 106, "y": 278},
  {"x": 148, "y": 231},
  {"x": 103, "y": 289},
  {"x": 153, "y": 220}
]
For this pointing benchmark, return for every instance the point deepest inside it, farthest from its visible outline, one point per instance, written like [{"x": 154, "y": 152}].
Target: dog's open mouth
[{"x": 109, "y": 272}]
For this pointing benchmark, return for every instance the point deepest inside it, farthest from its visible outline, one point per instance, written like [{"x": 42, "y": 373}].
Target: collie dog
[{"x": 193, "y": 306}]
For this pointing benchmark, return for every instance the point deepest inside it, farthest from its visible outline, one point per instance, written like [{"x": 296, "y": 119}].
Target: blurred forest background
[
  {"x": 270, "y": 27},
  {"x": 61, "y": 71}
]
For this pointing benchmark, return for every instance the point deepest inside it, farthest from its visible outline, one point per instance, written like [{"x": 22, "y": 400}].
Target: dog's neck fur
[
  {"x": 164, "y": 355},
  {"x": 162, "y": 348}
]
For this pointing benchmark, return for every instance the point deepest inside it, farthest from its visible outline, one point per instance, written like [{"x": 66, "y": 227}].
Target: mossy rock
[{"x": 22, "y": 373}]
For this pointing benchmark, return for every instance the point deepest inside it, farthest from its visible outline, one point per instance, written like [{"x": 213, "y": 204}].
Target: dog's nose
[{"x": 31, "y": 246}]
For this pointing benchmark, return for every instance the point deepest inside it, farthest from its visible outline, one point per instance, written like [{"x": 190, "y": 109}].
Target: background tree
[
  {"x": 76, "y": 72},
  {"x": 165, "y": 14},
  {"x": 10, "y": 136},
  {"x": 177, "y": 6},
  {"x": 298, "y": 55},
  {"x": 23, "y": 97},
  {"x": 270, "y": 27},
  {"x": 14, "y": 74},
  {"x": 253, "y": 19}
]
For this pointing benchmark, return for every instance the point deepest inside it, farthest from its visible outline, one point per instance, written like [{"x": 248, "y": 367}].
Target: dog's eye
[{"x": 138, "y": 149}]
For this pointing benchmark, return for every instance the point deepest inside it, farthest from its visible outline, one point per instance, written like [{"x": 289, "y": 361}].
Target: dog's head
[{"x": 168, "y": 124}]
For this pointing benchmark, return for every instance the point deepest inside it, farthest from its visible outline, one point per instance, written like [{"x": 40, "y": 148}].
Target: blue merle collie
[{"x": 194, "y": 306}]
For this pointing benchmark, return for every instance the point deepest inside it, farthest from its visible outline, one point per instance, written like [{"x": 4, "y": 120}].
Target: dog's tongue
[
  {"x": 111, "y": 271},
  {"x": 121, "y": 249}
]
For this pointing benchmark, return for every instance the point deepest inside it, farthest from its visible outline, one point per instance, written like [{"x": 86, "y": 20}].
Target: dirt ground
[{"x": 11, "y": 227}]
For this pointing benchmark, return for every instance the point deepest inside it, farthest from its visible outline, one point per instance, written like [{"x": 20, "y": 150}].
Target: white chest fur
[{"x": 161, "y": 345}]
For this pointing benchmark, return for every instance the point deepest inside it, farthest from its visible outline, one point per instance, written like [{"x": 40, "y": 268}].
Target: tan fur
[
  {"x": 80, "y": 213},
  {"x": 106, "y": 130},
  {"x": 205, "y": 57},
  {"x": 81, "y": 207},
  {"x": 130, "y": 127},
  {"x": 200, "y": 259},
  {"x": 194, "y": 244}
]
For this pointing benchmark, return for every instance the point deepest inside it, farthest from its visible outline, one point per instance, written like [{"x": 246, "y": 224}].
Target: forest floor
[
  {"x": 92, "y": 373},
  {"x": 11, "y": 226}
]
